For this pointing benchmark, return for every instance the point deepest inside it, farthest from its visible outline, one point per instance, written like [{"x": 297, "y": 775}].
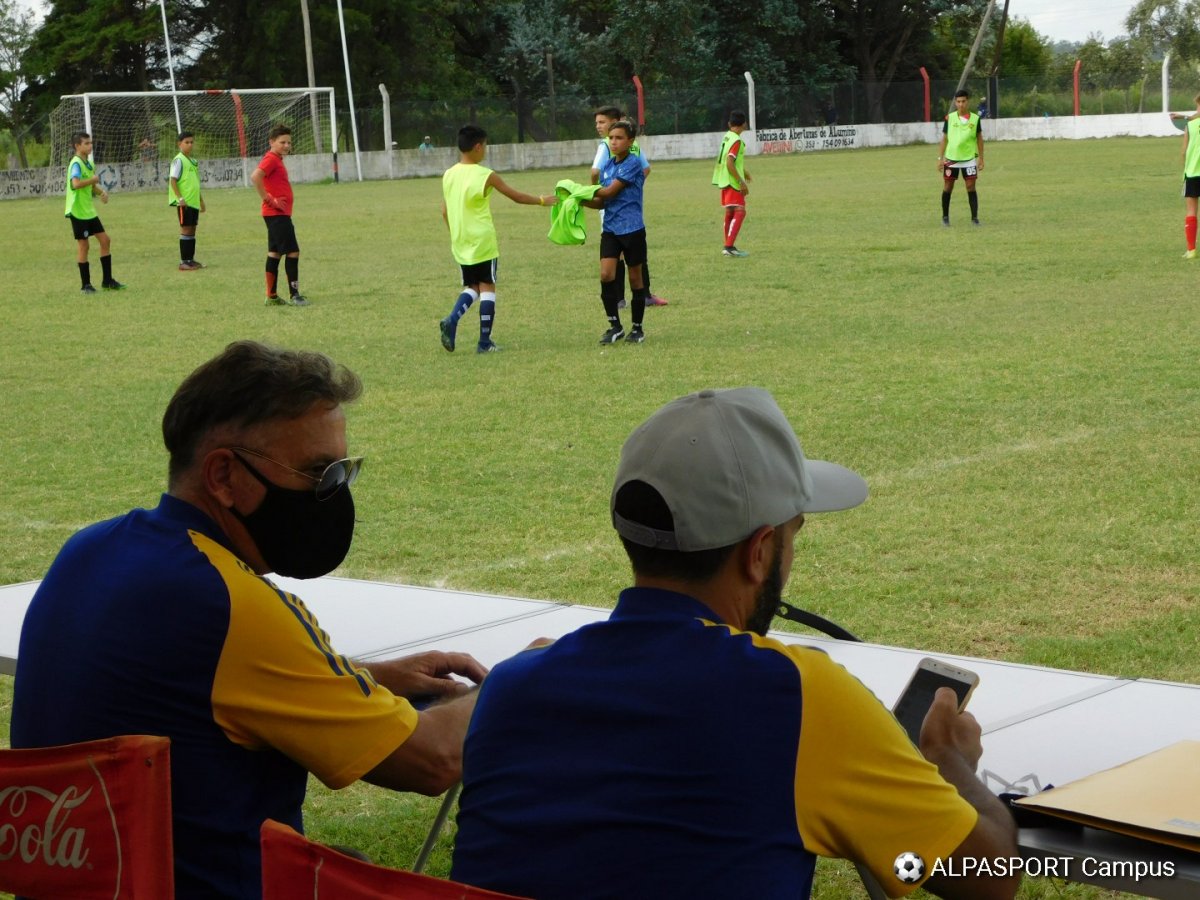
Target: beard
[{"x": 767, "y": 602}]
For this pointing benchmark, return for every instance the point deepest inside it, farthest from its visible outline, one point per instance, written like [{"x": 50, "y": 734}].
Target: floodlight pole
[
  {"x": 987, "y": 15},
  {"x": 162, "y": 5},
  {"x": 387, "y": 129},
  {"x": 1166, "y": 82},
  {"x": 750, "y": 103},
  {"x": 312, "y": 76},
  {"x": 349, "y": 91}
]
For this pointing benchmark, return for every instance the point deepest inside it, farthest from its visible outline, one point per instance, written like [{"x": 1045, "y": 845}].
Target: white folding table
[{"x": 1041, "y": 726}]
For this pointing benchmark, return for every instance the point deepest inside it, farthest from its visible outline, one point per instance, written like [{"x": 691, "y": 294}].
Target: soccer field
[{"x": 1022, "y": 398}]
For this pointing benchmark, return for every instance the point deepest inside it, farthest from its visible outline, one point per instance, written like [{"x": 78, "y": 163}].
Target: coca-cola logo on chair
[
  {"x": 35, "y": 826},
  {"x": 89, "y": 821}
]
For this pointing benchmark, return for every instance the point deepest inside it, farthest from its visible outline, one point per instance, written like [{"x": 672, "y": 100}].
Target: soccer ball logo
[{"x": 909, "y": 867}]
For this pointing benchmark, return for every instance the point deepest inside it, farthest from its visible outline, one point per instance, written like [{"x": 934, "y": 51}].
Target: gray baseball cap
[{"x": 726, "y": 462}]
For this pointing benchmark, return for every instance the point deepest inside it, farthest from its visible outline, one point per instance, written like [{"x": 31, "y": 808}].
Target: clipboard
[{"x": 1155, "y": 797}]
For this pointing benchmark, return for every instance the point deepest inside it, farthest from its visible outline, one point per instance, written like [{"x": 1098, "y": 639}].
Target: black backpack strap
[{"x": 812, "y": 620}]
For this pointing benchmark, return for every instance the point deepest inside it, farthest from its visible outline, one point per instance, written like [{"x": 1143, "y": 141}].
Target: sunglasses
[{"x": 338, "y": 474}]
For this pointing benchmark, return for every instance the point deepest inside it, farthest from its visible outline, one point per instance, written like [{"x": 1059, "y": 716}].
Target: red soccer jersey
[{"x": 276, "y": 183}]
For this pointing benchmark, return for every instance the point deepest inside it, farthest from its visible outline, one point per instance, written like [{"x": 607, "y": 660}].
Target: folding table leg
[
  {"x": 439, "y": 822},
  {"x": 874, "y": 891}
]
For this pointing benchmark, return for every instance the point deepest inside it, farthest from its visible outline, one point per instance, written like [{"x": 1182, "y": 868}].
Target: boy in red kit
[
  {"x": 1191, "y": 173},
  {"x": 271, "y": 181},
  {"x": 730, "y": 175}
]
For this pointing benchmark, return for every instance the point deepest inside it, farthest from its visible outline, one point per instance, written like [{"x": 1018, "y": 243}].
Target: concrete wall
[{"x": 223, "y": 173}]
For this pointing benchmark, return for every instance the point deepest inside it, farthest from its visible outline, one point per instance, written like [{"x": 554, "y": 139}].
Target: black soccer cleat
[
  {"x": 613, "y": 335},
  {"x": 449, "y": 329}
]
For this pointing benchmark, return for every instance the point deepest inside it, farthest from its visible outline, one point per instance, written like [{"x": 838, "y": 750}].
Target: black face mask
[{"x": 298, "y": 535}]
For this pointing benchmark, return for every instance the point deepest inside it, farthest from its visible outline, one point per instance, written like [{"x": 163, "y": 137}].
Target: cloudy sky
[
  {"x": 1072, "y": 20},
  {"x": 1061, "y": 20}
]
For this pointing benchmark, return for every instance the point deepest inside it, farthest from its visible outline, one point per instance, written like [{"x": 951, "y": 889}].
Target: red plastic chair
[
  {"x": 293, "y": 866},
  {"x": 90, "y": 820}
]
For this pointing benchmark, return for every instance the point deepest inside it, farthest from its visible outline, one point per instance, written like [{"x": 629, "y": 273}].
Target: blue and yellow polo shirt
[
  {"x": 663, "y": 754},
  {"x": 149, "y": 624}
]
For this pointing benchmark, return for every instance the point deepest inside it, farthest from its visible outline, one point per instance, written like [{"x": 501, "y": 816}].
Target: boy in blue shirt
[
  {"x": 605, "y": 117},
  {"x": 624, "y": 232}
]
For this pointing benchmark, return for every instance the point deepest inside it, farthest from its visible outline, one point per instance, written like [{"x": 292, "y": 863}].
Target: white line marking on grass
[
  {"x": 516, "y": 562},
  {"x": 994, "y": 453}
]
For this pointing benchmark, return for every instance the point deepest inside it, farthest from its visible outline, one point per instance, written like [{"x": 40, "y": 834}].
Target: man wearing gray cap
[{"x": 675, "y": 750}]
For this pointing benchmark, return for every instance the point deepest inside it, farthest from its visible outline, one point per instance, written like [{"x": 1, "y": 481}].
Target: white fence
[{"x": 221, "y": 173}]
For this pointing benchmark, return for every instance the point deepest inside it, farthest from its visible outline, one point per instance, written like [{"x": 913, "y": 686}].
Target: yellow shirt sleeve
[
  {"x": 280, "y": 684},
  {"x": 863, "y": 791}
]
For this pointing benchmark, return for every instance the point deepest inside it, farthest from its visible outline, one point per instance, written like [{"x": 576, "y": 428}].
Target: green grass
[{"x": 1022, "y": 397}]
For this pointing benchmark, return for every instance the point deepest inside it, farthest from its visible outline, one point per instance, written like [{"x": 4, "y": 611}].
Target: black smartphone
[{"x": 917, "y": 697}]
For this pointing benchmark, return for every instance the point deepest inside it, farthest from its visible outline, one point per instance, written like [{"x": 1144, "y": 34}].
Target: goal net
[{"x": 228, "y": 124}]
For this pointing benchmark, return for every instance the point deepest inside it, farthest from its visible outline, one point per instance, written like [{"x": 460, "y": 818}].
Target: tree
[
  {"x": 1166, "y": 26},
  {"x": 781, "y": 43},
  {"x": 880, "y": 37},
  {"x": 1092, "y": 69},
  {"x": 16, "y": 34},
  {"x": 1159, "y": 27},
  {"x": 1026, "y": 54},
  {"x": 101, "y": 45},
  {"x": 532, "y": 32}
]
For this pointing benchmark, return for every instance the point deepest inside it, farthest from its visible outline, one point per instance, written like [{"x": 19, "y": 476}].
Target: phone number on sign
[{"x": 801, "y": 145}]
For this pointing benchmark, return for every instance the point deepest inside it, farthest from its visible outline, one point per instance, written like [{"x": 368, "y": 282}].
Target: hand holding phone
[{"x": 916, "y": 698}]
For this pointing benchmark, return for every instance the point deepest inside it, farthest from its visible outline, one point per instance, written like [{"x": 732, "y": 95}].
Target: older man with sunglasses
[{"x": 161, "y": 622}]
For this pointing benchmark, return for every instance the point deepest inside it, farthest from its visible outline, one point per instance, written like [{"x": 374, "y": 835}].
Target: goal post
[{"x": 230, "y": 124}]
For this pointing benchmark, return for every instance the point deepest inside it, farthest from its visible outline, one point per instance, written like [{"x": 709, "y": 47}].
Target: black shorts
[
  {"x": 967, "y": 172},
  {"x": 281, "y": 235},
  {"x": 632, "y": 246},
  {"x": 1191, "y": 187},
  {"x": 477, "y": 273},
  {"x": 189, "y": 216},
  {"x": 85, "y": 228}
]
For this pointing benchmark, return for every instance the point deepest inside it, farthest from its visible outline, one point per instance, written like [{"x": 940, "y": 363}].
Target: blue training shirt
[{"x": 623, "y": 213}]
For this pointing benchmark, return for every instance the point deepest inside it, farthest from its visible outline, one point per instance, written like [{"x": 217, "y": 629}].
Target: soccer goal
[{"x": 130, "y": 127}]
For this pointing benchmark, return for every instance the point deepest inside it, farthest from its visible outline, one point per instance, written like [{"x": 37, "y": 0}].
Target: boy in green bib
[
  {"x": 1191, "y": 176},
  {"x": 467, "y": 211},
  {"x": 183, "y": 192},
  {"x": 730, "y": 175},
  {"x": 961, "y": 150},
  {"x": 82, "y": 184}
]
